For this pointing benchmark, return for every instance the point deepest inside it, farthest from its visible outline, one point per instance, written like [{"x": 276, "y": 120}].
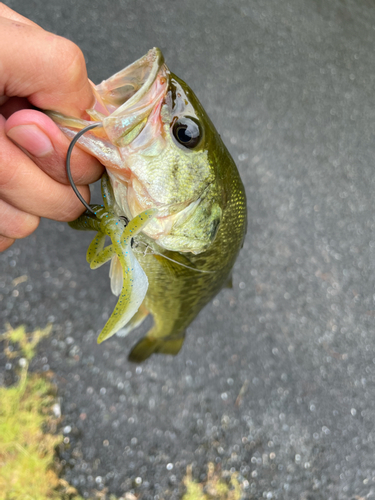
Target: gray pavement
[{"x": 276, "y": 379}]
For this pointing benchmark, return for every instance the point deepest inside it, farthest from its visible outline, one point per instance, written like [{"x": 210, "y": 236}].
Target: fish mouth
[{"x": 126, "y": 100}]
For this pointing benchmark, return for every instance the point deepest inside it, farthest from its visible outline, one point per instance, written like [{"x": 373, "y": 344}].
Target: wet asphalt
[{"x": 276, "y": 379}]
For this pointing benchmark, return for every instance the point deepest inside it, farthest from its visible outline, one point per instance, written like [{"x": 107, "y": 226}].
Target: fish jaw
[
  {"x": 128, "y": 86},
  {"x": 130, "y": 96}
]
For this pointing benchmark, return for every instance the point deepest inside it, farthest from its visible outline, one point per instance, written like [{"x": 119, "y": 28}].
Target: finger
[
  {"x": 26, "y": 187},
  {"x": 47, "y": 69},
  {"x": 37, "y": 134},
  {"x": 11, "y": 14},
  {"x": 5, "y": 243},
  {"x": 15, "y": 224}
]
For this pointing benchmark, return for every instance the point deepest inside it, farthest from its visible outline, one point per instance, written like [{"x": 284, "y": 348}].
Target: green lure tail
[{"x": 132, "y": 278}]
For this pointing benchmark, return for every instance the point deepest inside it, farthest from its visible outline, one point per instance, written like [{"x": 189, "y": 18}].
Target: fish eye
[{"x": 187, "y": 131}]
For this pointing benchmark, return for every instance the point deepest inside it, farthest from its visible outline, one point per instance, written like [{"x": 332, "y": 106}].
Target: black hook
[{"x": 68, "y": 154}]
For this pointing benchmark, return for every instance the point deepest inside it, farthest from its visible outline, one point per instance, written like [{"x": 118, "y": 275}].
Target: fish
[{"x": 174, "y": 203}]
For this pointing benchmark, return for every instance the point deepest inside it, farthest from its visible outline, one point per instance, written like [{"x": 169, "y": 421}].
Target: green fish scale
[{"x": 174, "y": 301}]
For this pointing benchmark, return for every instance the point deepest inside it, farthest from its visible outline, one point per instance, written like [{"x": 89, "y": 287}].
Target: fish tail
[{"x": 149, "y": 345}]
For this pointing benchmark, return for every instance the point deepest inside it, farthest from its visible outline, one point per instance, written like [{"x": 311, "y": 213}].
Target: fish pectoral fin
[
  {"x": 149, "y": 345},
  {"x": 136, "y": 321},
  {"x": 174, "y": 263}
]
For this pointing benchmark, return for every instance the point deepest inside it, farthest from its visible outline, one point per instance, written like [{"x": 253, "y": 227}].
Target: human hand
[{"x": 39, "y": 69}]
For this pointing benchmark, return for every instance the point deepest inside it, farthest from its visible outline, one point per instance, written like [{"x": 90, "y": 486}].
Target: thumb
[{"x": 37, "y": 135}]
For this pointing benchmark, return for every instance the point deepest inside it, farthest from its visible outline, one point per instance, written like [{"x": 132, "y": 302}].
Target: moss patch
[
  {"x": 218, "y": 486},
  {"x": 19, "y": 343},
  {"x": 27, "y": 429}
]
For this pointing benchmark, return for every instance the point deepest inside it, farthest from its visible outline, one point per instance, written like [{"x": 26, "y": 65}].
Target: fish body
[{"x": 172, "y": 180}]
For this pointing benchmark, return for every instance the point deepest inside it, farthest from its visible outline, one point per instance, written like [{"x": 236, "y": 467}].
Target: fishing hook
[{"x": 68, "y": 154}]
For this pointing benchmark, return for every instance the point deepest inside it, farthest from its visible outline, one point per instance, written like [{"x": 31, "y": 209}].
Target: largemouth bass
[{"x": 174, "y": 204}]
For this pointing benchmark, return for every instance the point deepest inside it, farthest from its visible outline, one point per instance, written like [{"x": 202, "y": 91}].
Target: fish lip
[
  {"x": 156, "y": 59},
  {"x": 129, "y": 114},
  {"x": 103, "y": 91}
]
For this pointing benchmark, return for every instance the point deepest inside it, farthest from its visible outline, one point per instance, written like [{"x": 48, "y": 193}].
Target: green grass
[
  {"x": 25, "y": 342},
  {"x": 218, "y": 486},
  {"x": 28, "y": 466}
]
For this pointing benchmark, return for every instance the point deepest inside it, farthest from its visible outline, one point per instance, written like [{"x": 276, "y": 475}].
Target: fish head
[{"x": 161, "y": 151}]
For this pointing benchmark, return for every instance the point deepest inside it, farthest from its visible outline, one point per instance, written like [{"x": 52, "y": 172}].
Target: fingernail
[{"x": 32, "y": 139}]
